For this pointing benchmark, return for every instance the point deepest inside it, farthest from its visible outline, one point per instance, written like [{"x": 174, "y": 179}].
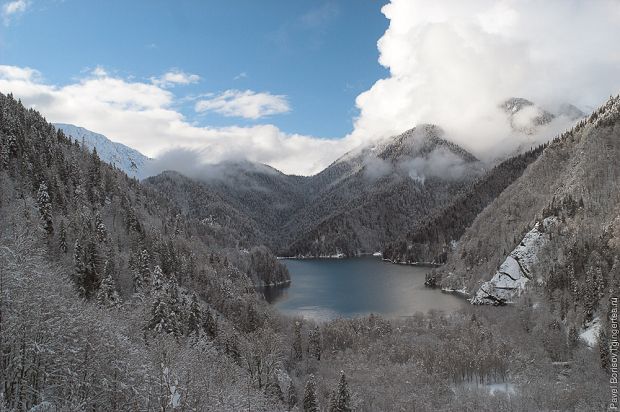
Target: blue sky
[
  {"x": 296, "y": 84},
  {"x": 319, "y": 54}
]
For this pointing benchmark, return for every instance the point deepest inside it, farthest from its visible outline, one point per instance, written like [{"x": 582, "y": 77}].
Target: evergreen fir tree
[
  {"x": 144, "y": 268},
  {"x": 94, "y": 179},
  {"x": 311, "y": 402},
  {"x": 273, "y": 388},
  {"x": 314, "y": 343},
  {"x": 175, "y": 303},
  {"x": 297, "y": 345},
  {"x": 159, "y": 314},
  {"x": 5, "y": 155},
  {"x": 158, "y": 279},
  {"x": 590, "y": 296},
  {"x": 166, "y": 306},
  {"x": 209, "y": 324},
  {"x": 107, "y": 294},
  {"x": 194, "y": 316},
  {"x": 603, "y": 345},
  {"x": 599, "y": 284},
  {"x": 343, "y": 396},
  {"x": 78, "y": 264},
  {"x": 100, "y": 229},
  {"x": 573, "y": 337},
  {"x": 92, "y": 274},
  {"x": 45, "y": 208},
  {"x": 292, "y": 396},
  {"x": 62, "y": 241},
  {"x": 231, "y": 346},
  {"x": 136, "y": 276},
  {"x": 333, "y": 400}
]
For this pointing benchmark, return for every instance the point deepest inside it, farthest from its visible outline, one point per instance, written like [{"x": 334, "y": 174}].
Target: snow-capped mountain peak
[{"x": 123, "y": 157}]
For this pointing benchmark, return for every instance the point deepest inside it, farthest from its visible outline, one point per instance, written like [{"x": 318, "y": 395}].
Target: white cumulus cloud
[
  {"x": 143, "y": 115},
  {"x": 175, "y": 77},
  {"x": 13, "y": 8},
  {"x": 99, "y": 71},
  {"x": 452, "y": 62},
  {"x": 247, "y": 104}
]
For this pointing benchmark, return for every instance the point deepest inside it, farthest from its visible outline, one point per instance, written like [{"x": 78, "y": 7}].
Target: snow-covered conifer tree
[
  {"x": 62, "y": 240},
  {"x": 292, "y": 396},
  {"x": 45, "y": 208},
  {"x": 107, "y": 294},
  {"x": 194, "y": 316},
  {"x": 311, "y": 402},
  {"x": 342, "y": 401},
  {"x": 314, "y": 343},
  {"x": 297, "y": 345},
  {"x": 100, "y": 229}
]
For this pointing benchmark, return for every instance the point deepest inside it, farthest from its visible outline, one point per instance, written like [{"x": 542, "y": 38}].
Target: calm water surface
[{"x": 330, "y": 288}]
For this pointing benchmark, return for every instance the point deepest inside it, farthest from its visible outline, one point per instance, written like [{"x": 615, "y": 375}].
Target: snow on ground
[
  {"x": 492, "y": 388},
  {"x": 510, "y": 280},
  {"x": 590, "y": 333},
  {"x": 505, "y": 387},
  {"x": 462, "y": 291}
]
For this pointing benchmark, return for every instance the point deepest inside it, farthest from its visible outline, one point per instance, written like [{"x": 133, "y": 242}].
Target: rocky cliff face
[
  {"x": 517, "y": 270},
  {"x": 574, "y": 188}
]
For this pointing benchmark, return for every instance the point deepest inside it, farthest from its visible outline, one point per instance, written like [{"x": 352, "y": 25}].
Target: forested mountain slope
[
  {"x": 207, "y": 205},
  {"x": 261, "y": 192},
  {"x": 109, "y": 293},
  {"x": 365, "y": 199},
  {"x": 432, "y": 238},
  {"x": 574, "y": 186},
  {"x": 370, "y": 199},
  {"x": 247, "y": 202},
  {"x": 385, "y": 190}
]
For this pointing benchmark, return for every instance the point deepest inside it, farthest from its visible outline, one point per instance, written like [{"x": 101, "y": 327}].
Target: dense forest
[
  {"x": 434, "y": 236},
  {"x": 115, "y": 297}
]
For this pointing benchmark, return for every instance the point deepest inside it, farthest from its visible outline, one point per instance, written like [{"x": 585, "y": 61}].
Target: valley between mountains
[
  {"x": 126, "y": 294},
  {"x": 414, "y": 198},
  {"x": 375, "y": 198}
]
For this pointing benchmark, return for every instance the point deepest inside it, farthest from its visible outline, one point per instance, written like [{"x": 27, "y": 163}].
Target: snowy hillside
[{"x": 123, "y": 157}]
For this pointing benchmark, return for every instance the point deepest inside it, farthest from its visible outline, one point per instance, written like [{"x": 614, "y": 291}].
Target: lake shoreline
[
  {"x": 329, "y": 288},
  {"x": 336, "y": 256},
  {"x": 420, "y": 264}
]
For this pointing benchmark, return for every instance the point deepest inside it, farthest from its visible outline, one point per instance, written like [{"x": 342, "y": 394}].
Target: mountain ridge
[
  {"x": 351, "y": 207},
  {"x": 127, "y": 159}
]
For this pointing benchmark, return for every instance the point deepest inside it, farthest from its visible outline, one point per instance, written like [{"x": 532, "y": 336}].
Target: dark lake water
[{"x": 330, "y": 288}]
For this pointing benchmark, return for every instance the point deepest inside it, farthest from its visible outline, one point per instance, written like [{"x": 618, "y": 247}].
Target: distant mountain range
[
  {"x": 123, "y": 157},
  {"x": 419, "y": 198},
  {"x": 356, "y": 205},
  {"x": 395, "y": 195}
]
